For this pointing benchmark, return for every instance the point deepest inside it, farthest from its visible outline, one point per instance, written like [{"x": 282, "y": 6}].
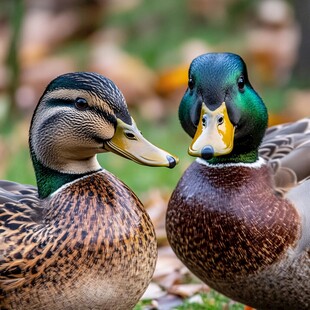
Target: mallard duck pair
[
  {"x": 82, "y": 239},
  {"x": 239, "y": 217}
]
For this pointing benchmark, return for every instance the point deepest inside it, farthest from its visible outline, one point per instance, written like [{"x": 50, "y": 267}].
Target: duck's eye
[
  {"x": 190, "y": 84},
  {"x": 241, "y": 83},
  {"x": 130, "y": 135},
  {"x": 81, "y": 103}
]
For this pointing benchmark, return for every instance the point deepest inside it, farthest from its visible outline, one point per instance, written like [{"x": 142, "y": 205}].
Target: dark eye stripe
[
  {"x": 52, "y": 102},
  {"x": 70, "y": 103},
  {"x": 50, "y": 121}
]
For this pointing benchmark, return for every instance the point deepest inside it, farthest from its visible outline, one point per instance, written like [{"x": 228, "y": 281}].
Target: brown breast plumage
[
  {"x": 231, "y": 243},
  {"x": 97, "y": 243}
]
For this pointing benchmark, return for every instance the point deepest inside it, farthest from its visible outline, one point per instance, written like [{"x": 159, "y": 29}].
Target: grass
[{"x": 210, "y": 301}]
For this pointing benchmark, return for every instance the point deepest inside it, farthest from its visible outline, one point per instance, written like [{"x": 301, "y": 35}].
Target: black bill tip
[
  {"x": 207, "y": 152},
  {"x": 172, "y": 161}
]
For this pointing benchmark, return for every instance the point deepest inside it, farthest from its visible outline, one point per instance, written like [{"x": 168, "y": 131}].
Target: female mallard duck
[
  {"x": 82, "y": 240},
  {"x": 226, "y": 220}
]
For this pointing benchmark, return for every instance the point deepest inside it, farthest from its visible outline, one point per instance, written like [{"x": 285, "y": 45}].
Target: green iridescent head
[{"x": 218, "y": 90}]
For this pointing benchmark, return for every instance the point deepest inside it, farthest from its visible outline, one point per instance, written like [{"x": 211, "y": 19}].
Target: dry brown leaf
[
  {"x": 188, "y": 290},
  {"x": 169, "y": 279},
  {"x": 153, "y": 291}
]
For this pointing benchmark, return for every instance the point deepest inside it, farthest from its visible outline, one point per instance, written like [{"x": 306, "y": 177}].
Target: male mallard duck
[
  {"x": 82, "y": 240},
  {"x": 226, "y": 220}
]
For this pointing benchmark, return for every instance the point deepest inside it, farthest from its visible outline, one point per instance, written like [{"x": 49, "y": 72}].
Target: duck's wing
[
  {"x": 299, "y": 196},
  {"x": 20, "y": 211},
  {"x": 19, "y": 203},
  {"x": 287, "y": 150}
]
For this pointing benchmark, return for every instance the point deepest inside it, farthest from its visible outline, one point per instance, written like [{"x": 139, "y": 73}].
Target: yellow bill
[
  {"x": 214, "y": 135},
  {"x": 129, "y": 142}
]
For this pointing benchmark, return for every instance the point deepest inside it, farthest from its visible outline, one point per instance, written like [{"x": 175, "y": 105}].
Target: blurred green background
[{"x": 145, "y": 47}]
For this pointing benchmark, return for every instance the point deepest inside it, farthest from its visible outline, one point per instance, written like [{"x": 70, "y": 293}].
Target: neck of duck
[
  {"x": 247, "y": 157},
  {"x": 53, "y": 170}
]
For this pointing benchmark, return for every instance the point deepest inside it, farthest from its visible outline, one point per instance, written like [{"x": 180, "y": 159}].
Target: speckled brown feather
[
  {"x": 233, "y": 227},
  {"x": 90, "y": 246}
]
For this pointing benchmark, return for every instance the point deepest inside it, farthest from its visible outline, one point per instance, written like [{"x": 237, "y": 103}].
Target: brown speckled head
[
  {"x": 76, "y": 113},
  {"x": 78, "y": 116}
]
